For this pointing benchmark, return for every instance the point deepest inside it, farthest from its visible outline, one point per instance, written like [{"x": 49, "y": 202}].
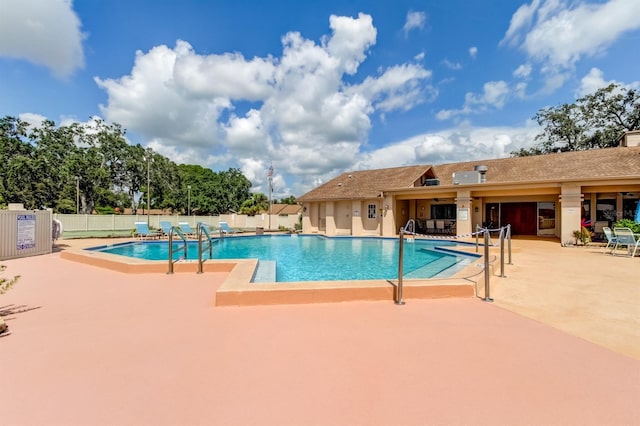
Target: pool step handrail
[
  {"x": 410, "y": 227},
  {"x": 175, "y": 230},
  {"x": 201, "y": 230}
]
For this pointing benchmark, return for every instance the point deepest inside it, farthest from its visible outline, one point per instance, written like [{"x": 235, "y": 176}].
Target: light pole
[
  {"x": 188, "y": 200},
  {"x": 77, "y": 195},
  {"x": 270, "y": 174},
  {"x": 148, "y": 186}
]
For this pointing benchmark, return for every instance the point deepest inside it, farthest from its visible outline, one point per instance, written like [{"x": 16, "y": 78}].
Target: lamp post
[
  {"x": 270, "y": 175},
  {"x": 188, "y": 200},
  {"x": 77, "y": 195},
  {"x": 148, "y": 155}
]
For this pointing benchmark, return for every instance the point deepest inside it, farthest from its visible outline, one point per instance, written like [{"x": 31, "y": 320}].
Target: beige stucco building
[{"x": 546, "y": 195}]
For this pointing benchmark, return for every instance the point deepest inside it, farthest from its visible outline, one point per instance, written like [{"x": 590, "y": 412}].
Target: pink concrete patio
[{"x": 90, "y": 346}]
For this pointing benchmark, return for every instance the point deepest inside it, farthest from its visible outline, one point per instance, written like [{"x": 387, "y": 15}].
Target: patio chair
[
  {"x": 440, "y": 226},
  {"x": 143, "y": 231},
  {"x": 625, "y": 237},
  {"x": 611, "y": 239},
  {"x": 186, "y": 229},
  {"x": 430, "y": 225},
  {"x": 165, "y": 226},
  {"x": 226, "y": 229}
]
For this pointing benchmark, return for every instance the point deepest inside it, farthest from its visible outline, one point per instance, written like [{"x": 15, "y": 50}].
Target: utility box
[{"x": 25, "y": 233}]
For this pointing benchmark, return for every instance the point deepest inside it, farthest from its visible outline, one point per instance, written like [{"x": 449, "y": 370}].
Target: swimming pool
[{"x": 317, "y": 258}]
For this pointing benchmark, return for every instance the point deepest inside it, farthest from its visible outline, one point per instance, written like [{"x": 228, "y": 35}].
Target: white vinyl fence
[{"x": 91, "y": 222}]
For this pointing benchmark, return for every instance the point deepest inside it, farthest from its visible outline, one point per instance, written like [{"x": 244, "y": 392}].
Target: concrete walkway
[{"x": 560, "y": 345}]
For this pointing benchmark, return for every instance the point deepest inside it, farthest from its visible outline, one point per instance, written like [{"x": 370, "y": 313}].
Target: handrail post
[
  {"x": 399, "y": 300},
  {"x": 509, "y": 242},
  {"x": 487, "y": 275},
  {"x": 502, "y": 232},
  {"x": 170, "y": 252},
  {"x": 478, "y": 228},
  {"x": 199, "y": 235}
]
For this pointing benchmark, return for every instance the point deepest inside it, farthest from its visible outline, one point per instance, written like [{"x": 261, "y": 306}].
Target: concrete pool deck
[{"x": 92, "y": 346}]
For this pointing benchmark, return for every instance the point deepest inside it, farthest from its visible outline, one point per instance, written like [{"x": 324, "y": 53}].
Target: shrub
[{"x": 628, "y": 223}]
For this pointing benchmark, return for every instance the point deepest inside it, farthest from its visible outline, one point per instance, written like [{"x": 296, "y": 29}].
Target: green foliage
[
  {"x": 594, "y": 121},
  {"x": 91, "y": 167},
  {"x": 256, "y": 204},
  {"x": 628, "y": 223},
  {"x": 291, "y": 200}
]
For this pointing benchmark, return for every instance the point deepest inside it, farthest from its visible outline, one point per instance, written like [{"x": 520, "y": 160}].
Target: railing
[
  {"x": 175, "y": 230},
  {"x": 203, "y": 229},
  {"x": 505, "y": 233},
  {"x": 410, "y": 227}
]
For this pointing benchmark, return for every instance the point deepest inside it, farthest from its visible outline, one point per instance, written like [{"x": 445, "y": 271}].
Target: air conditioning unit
[{"x": 463, "y": 178}]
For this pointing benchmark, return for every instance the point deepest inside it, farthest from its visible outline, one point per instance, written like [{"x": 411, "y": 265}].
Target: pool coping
[{"x": 238, "y": 290}]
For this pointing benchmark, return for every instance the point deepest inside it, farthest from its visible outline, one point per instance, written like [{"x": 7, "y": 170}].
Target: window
[
  {"x": 371, "y": 211},
  {"x": 443, "y": 211}
]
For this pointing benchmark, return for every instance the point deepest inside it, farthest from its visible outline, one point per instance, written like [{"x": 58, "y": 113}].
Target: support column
[
  {"x": 571, "y": 211},
  {"x": 388, "y": 217},
  {"x": 463, "y": 212},
  {"x": 356, "y": 217},
  {"x": 330, "y": 218}
]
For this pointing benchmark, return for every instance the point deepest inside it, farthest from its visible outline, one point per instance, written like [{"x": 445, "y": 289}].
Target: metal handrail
[
  {"x": 410, "y": 226},
  {"x": 201, "y": 230},
  {"x": 175, "y": 230}
]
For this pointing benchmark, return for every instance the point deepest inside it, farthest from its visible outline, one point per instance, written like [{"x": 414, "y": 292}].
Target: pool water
[{"x": 318, "y": 258}]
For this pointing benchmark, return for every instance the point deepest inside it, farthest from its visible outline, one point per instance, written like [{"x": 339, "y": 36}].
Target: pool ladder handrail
[
  {"x": 410, "y": 226},
  {"x": 201, "y": 230},
  {"x": 175, "y": 230}
]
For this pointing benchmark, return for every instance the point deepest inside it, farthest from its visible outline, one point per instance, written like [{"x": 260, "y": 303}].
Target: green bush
[{"x": 628, "y": 223}]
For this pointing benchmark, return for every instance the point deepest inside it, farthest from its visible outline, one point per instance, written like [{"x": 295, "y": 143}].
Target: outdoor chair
[
  {"x": 625, "y": 238},
  {"x": 143, "y": 231},
  {"x": 226, "y": 229},
  {"x": 187, "y": 230},
  {"x": 440, "y": 226},
  {"x": 430, "y": 225},
  {"x": 165, "y": 225},
  {"x": 611, "y": 239}
]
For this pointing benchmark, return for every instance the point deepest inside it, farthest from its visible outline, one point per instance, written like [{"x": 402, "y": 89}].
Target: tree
[
  {"x": 254, "y": 205},
  {"x": 594, "y": 121},
  {"x": 289, "y": 200}
]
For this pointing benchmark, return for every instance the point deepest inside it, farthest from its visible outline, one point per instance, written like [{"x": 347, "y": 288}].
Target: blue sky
[{"x": 315, "y": 88}]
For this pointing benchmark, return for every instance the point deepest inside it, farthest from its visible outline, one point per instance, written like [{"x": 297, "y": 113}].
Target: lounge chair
[
  {"x": 165, "y": 225},
  {"x": 143, "y": 231},
  {"x": 187, "y": 230},
  {"x": 625, "y": 237},
  {"x": 226, "y": 229},
  {"x": 611, "y": 239}
]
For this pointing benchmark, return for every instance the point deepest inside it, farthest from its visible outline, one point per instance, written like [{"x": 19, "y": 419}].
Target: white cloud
[
  {"x": 594, "y": 80},
  {"x": 42, "y": 32},
  {"x": 494, "y": 95},
  {"x": 523, "y": 71},
  {"x": 452, "y": 65},
  {"x": 224, "y": 110},
  {"x": 414, "y": 20},
  {"x": 473, "y": 52},
  {"x": 557, "y": 34},
  {"x": 463, "y": 143}
]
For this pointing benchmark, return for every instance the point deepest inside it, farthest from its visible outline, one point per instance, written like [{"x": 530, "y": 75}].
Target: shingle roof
[
  {"x": 365, "y": 183},
  {"x": 578, "y": 165}
]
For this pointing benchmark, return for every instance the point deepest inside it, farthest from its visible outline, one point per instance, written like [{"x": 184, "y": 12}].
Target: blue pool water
[{"x": 317, "y": 258}]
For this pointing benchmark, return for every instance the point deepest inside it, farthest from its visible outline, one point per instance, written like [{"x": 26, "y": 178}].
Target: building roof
[
  {"x": 285, "y": 209},
  {"x": 366, "y": 183},
  {"x": 619, "y": 162}
]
